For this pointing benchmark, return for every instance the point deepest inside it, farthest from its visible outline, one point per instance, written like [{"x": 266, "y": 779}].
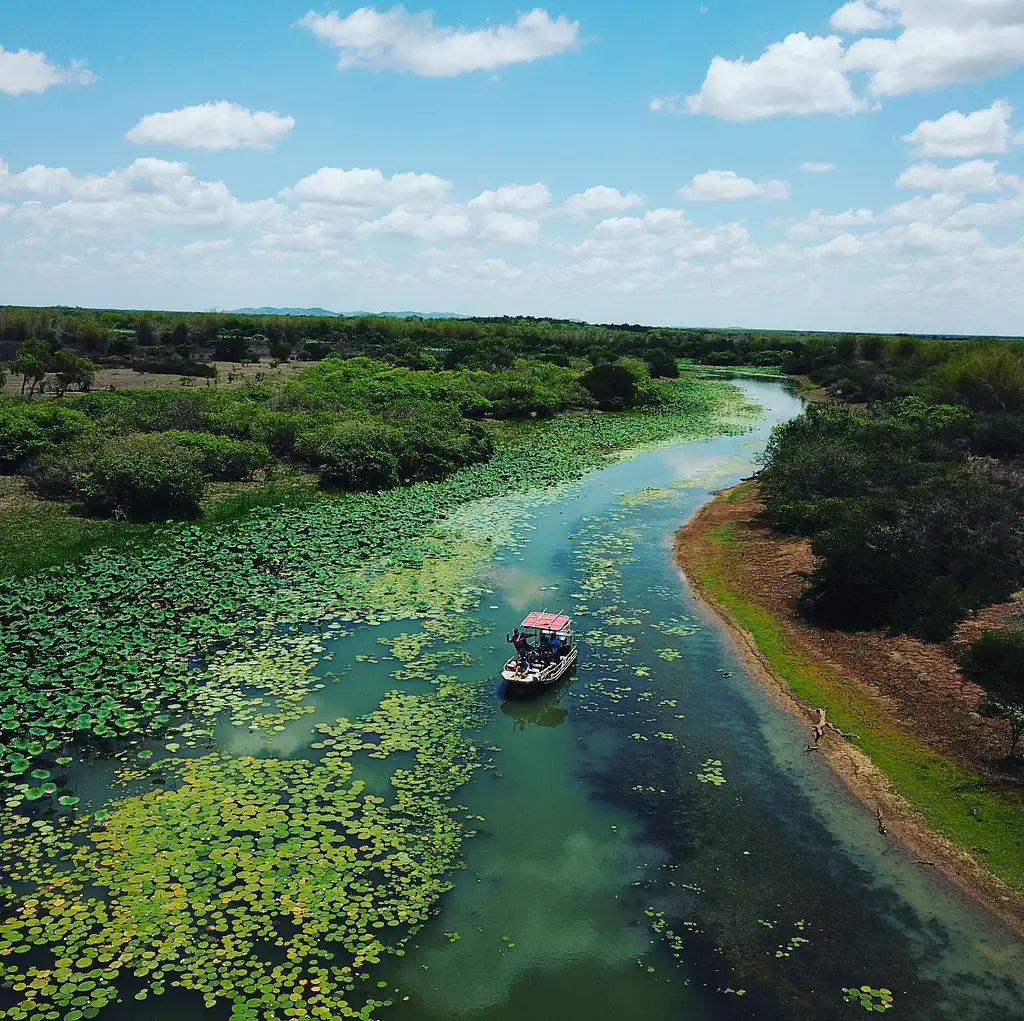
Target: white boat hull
[{"x": 540, "y": 677}]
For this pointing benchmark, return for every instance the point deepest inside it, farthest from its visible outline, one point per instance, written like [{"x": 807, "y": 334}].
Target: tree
[
  {"x": 32, "y": 362},
  {"x": 661, "y": 363},
  {"x": 72, "y": 370},
  {"x": 996, "y": 662}
]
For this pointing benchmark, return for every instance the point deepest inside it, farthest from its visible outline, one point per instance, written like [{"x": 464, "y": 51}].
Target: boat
[{"x": 540, "y": 668}]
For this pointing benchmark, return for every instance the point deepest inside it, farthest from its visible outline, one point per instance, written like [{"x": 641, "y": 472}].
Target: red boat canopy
[{"x": 547, "y": 621}]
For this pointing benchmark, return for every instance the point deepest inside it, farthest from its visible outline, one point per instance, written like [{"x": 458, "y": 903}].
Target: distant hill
[
  {"x": 284, "y": 312},
  {"x": 267, "y": 311}
]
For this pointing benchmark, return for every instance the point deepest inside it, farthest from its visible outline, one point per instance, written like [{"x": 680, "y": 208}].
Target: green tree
[
  {"x": 996, "y": 663},
  {"x": 72, "y": 370},
  {"x": 661, "y": 363},
  {"x": 32, "y": 362}
]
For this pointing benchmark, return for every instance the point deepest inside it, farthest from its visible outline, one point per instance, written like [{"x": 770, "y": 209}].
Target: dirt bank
[{"x": 913, "y": 714}]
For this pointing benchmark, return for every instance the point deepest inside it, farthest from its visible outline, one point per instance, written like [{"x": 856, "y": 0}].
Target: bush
[
  {"x": 354, "y": 456},
  {"x": 55, "y": 474},
  {"x": 624, "y": 384},
  {"x": 224, "y": 459},
  {"x": 28, "y": 430},
  {"x": 661, "y": 363},
  {"x": 144, "y": 478}
]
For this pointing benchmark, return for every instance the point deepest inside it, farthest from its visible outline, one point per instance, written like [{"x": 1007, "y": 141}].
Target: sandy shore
[{"x": 695, "y": 548}]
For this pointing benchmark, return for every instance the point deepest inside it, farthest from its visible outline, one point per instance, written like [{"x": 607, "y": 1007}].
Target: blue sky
[{"x": 801, "y": 164}]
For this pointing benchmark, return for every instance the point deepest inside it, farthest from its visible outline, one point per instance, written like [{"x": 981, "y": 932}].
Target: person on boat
[
  {"x": 520, "y": 641},
  {"x": 555, "y": 648}
]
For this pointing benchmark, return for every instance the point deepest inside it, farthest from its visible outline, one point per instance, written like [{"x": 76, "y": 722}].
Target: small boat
[{"x": 551, "y": 652}]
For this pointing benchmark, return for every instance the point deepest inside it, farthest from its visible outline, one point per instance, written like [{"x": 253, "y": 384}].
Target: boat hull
[{"x": 537, "y": 679}]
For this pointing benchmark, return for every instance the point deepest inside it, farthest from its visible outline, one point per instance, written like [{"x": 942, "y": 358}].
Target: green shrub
[
  {"x": 55, "y": 474},
  {"x": 224, "y": 459},
  {"x": 354, "y": 456},
  {"x": 623, "y": 384},
  {"x": 28, "y": 430},
  {"x": 144, "y": 477}
]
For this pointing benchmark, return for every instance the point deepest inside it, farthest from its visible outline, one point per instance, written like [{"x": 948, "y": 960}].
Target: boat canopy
[{"x": 547, "y": 621}]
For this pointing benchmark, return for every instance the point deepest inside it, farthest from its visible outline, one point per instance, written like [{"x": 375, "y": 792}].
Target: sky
[{"x": 802, "y": 164}]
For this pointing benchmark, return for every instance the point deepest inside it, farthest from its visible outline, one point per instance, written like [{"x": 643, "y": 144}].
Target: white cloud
[
  {"x": 334, "y": 186},
  {"x": 670, "y": 104},
  {"x": 972, "y": 176},
  {"x": 939, "y": 42},
  {"x": 817, "y": 223},
  {"x": 727, "y": 186},
  {"x": 959, "y": 134},
  {"x": 926, "y": 208},
  {"x": 400, "y": 41},
  {"x": 799, "y": 75},
  {"x": 448, "y": 225},
  {"x": 513, "y": 230},
  {"x": 212, "y": 126},
  {"x": 205, "y": 247},
  {"x": 657, "y": 221},
  {"x": 810, "y": 167},
  {"x": 600, "y": 200},
  {"x": 148, "y": 191},
  {"x": 24, "y": 71},
  {"x": 857, "y": 17},
  {"x": 844, "y": 246},
  {"x": 514, "y": 198}
]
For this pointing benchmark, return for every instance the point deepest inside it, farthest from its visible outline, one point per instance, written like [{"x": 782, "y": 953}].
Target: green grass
[{"x": 984, "y": 823}]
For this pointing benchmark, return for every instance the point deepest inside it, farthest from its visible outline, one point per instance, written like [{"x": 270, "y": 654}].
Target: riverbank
[{"x": 922, "y": 754}]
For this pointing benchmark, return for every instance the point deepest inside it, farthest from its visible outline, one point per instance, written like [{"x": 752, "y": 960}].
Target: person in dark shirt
[{"x": 520, "y": 641}]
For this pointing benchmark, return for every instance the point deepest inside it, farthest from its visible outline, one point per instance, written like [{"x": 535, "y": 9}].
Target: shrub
[
  {"x": 144, "y": 477},
  {"x": 224, "y": 459},
  {"x": 28, "y": 430},
  {"x": 624, "y": 384},
  {"x": 55, "y": 475},
  {"x": 661, "y": 363},
  {"x": 354, "y": 456}
]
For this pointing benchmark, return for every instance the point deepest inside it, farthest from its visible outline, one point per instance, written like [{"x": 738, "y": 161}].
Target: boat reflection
[{"x": 541, "y": 710}]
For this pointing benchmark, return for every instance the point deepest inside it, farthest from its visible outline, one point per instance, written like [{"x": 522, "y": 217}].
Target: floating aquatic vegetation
[
  {"x": 877, "y": 1000},
  {"x": 712, "y": 772},
  {"x": 669, "y": 654},
  {"x": 267, "y": 883}
]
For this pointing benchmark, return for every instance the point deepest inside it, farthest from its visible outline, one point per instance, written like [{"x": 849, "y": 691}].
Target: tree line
[{"x": 914, "y": 504}]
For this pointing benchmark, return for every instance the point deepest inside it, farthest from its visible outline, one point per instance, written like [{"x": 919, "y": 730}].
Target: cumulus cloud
[
  {"x": 972, "y": 176},
  {"x": 514, "y": 198},
  {"x": 959, "y": 134},
  {"x": 400, "y": 41},
  {"x": 599, "y": 201},
  {"x": 212, "y": 126},
  {"x": 149, "y": 191},
  {"x": 800, "y": 75},
  {"x": 356, "y": 187},
  {"x": 727, "y": 186},
  {"x": 512, "y": 230},
  {"x": 24, "y": 71},
  {"x": 857, "y": 17},
  {"x": 817, "y": 223},
  {"x": 938, "y": 42},
  {"x": 817, "y": 168}
]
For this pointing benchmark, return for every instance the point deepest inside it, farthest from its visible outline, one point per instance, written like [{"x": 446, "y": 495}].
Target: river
[{"x": 652, "y": 841}]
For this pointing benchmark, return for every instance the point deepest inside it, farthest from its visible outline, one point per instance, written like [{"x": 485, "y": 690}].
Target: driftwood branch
[
  {"x": 881, "y": 822},
  {"x": 822, "y": 725}
]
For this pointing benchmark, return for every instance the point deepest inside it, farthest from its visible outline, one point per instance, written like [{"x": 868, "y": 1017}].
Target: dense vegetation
[
  {"x": 359, "y": 424},
  {"x": 914, "y": 506}
]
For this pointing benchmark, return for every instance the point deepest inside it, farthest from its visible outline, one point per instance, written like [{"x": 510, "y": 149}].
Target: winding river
[{"x": 651, "y": 841}]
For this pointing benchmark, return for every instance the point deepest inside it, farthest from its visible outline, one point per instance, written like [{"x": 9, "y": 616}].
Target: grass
[
  {"x": 984, "y": 823},
  {"x": 38, "y": 534}
]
